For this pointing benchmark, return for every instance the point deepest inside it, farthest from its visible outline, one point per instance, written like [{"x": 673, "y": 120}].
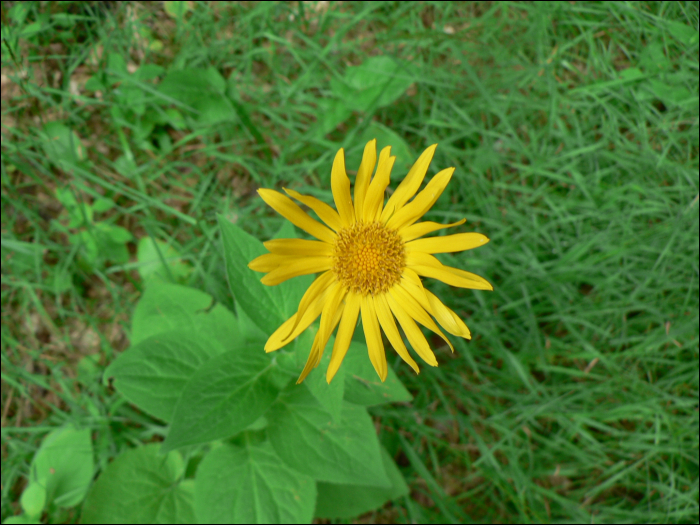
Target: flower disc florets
[{"x": 368, "y": 258}]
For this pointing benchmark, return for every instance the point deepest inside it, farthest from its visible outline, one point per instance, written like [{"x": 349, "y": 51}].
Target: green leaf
[
  {"x": 375, "y": 83},
  {"x": 88, "y": 244},
  {"x": 363, "y": 386},
  {"x": 22, "y": 519},
  {"x": 308, "y": 440},
  {"x": 148, "y": 72},
  {"x": 249, "y": 330},
  {"x": 94, "y": 83},
  {"x": 653, "y": 58},
  {"x": 65, "y": 20},
  {"x": 125, "y": 166},
  {"x": 684, "y": 33},
  {"x": 64, "y": 466},
  {"x": 331, "y": 113},
  {"x": 214, "y": 110},
  {"x": 61, "y": 145},
  {"x": 267, "y": 306},
  {"x": 110, "y": 242},
  {"x": 669, "y": 94},
  {"x": 116, "y": 66},
  {"x": 165, "y": 307},
  {"x": 116, "y": 234},
  {"x": 141, "y": 486},
  {"x": 21, "y": 257},
  {"x": 155, "y": 45},
  {"x": 80, "y": 213},
  {"x": 153, "y": 373},
  {"x": 32, "y": 29},
  {"x": 251, "y": 485},
  {"x": 224, "y": 396},
  {"x": 159, "y": 261},
  {"x": 104, "y": 204},
  {"x": 18, "y": 12},
  {"x": 176, "y": 9},
  {"x": 174, "y": 118},
  {"x": 200, "y": 90},
  {"x": 33, "y": 499},
  {"x": 349, "y": 501}
]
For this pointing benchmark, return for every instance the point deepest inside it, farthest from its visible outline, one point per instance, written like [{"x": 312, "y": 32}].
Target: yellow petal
[
  {"x": 449, "y": 243},
  {"x": 373, "y": 336},
  {"x": 409, "y": 186},
  {"x": 410, "y": 328},
  {"x": 413, "y": 308},
  {"x": 448, "y": 276},
  {"x": 428, "y": 266},
  {"x": 344, "y": 335},
  {"x": 325, "y": 212},
  {"x": 475, "y": 282},
  {"x": 384, "y": 155},
  {"x": 299, "y": 247},
  {"x": 407, "y": 273},
  {"x": 296, "y": 268},
  {"x": 282, "y": 337},
  {"x": 423, "y": 259},
  {"x": 294, "y": 214},
  {"x": 375, "y": 194},
  {"x": 318, "y": 345},
  {"x": 392, "y": 332},
  {"x": 268, "y": 262},
  {"x": 449, "y": 320},
  {"x": 431, "y": 304},
  {"x": 410, "y": 279},
  {"x": 340, "y": 186},
  {"x": 369, "y": 159},
  {"x": 314, "y": 356},
  {"x": 422, "y": 203},
  {"x": 313, "y": 292},
  {"x": 423, "y": 228},
  {"x": 336, "y": 294}
]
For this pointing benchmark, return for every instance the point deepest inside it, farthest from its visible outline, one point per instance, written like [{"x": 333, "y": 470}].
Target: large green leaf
[
  {"x": 248, "y": 329},
  {"x": 363, "y": 386},
  {"x": 308, "y": 440},
  {"x": 165, "y": 307},
  {"x": 329, "y": 396},
  {"x": 251, "y": 485},
  {"x": 266, "y": 306},
  {"x": 349, "y": 501},
  {"x": 141, "y": 486},
  {"x": 64, "y": 466},
  {"x": 153, "y": 373},
  {"x": 225, "y": 395}
]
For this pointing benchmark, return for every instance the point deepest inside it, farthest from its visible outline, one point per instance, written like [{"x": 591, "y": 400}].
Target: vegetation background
[{"x": 126, "y": 126}]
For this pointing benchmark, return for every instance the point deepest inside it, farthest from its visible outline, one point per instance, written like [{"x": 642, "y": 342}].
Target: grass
[{"x": 574, "y": 130}]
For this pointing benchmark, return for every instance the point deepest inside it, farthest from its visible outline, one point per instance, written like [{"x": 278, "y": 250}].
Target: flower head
[{"x": 371, "y": 259}]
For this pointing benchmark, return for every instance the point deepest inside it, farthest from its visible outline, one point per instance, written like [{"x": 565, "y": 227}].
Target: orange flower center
[{"x": 368, "y": 258}]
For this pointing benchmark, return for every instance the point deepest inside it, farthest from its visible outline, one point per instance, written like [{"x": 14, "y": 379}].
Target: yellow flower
[{"x": 371, "y": 260}]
